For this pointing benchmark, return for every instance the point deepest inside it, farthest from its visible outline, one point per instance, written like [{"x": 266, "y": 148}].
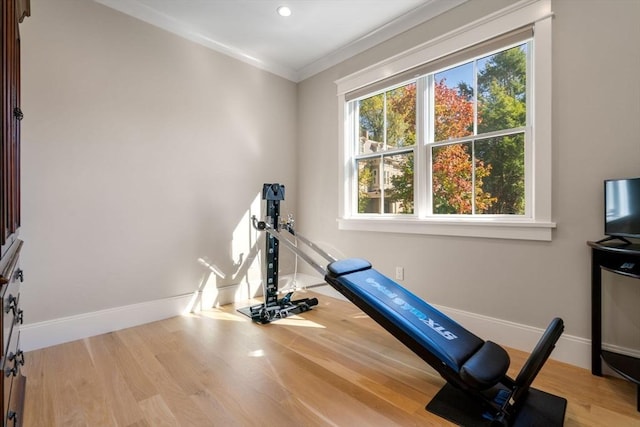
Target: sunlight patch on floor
[
  {"x": 222, "y": 315},
  {"x": 256, "y": 353},
  {"x": 297, "y": 321}
]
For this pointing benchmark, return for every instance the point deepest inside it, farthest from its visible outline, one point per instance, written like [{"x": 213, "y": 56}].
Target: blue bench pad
[{"x": 486, "y": 363}]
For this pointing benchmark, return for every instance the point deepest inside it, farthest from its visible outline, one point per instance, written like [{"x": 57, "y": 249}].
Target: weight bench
[{"x": 478, "y": 391}]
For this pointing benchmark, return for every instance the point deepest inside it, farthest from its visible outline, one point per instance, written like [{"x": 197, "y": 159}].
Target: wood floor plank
[
  {"x": 78, "y": 397},
  {"x": 146, "y": 361},
  {"x": 126, "y": 361},
  {"x": 140, "y": 423},
  {"x": 332, "y": 366},
  {"x": 117, "y": 382},
  {"x": 157, "y": 412},
  {"x": 38, "y": 409},
  {"x": 214, "y": 410}
]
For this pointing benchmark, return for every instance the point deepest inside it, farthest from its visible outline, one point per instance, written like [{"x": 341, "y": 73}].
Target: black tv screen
[{"x": 622, "y": 207}]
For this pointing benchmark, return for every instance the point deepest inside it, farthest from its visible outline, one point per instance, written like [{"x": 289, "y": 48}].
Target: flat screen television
[{"x": 622, "y": 208}]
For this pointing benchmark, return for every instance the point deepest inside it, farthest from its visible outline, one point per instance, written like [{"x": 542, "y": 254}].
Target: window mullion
[
  {"x": 419, "y": 166},
  {"x": 384, "y": 122},
  {"x": 428, "y": 102},
  {"x": 381, "y": 180},
  {"x": 354, "y": 114},
  {"x": 475, "y": 97},
  {"x": 529, "y": 208},
  {"x": 473, "y": 177},
  {"x": 475, "y": 132}
]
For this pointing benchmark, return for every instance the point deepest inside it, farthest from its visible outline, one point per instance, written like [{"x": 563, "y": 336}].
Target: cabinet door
[
  {"x": 10, "y": 310},
  {"x": 14, "y": 384},
  {"x": 11, "y": 13}
]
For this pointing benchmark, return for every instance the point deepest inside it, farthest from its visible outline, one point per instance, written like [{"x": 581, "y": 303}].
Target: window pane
[
  {"x": 401, "y": 116},
  {"x": 368, "y": 186},
  {"x": 502, "y": 80},
  {"x": 452, "y": 179},
  {"x": 371, "y": 123},
  {"x": 453, "y": 106},
  {"x": 398, "y": 183},
  {"x": 500, "y": 175}
]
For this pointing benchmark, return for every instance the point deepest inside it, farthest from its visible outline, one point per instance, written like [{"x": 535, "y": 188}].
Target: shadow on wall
[{"x": 241, "y": 279}]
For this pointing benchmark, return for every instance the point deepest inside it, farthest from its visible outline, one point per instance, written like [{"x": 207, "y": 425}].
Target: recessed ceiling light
[{"x": 284, "y": 11}]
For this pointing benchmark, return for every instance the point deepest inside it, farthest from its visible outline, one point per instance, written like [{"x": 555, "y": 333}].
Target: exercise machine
[
  {"x": 478, "y": 391},
  {"x": 273, "y": 307}
]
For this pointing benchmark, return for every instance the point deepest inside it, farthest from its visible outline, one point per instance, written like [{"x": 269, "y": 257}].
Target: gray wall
[
  {"x": 142, "y": 152},
  {"x": 596, "y": 126}
]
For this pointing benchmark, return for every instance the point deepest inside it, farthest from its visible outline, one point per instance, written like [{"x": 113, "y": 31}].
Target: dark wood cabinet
[
  {"x": 624, "y": 259},
  {"x": 12, "y": 382}
]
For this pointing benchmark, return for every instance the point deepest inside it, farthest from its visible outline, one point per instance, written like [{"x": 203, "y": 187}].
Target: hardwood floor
[{"x": 332, "y": 366}]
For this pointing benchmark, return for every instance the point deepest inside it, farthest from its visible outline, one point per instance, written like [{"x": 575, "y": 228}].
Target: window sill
[{"x": 481, "y": 227}]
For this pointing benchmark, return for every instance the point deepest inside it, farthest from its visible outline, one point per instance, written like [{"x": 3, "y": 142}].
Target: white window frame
[{"x": 537, "y": 223}]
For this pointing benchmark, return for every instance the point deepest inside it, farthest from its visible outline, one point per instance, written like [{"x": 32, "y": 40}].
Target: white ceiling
[{"x": 317, "y": 35}]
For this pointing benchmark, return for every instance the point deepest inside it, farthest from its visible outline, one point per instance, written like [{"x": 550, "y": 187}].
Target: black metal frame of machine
[{"x": 274, "y": 308}]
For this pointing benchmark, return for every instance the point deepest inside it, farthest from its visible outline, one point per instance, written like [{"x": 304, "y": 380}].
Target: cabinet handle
[
  {"x": 18, "y": 359},
  {"x": 19, "y": 274},
  {"x": 19, "y": 354},
  {"x": 11, "y": 371},
  {"x": 18, "y": 114},
  {"x": 12, "y": 416},
  {"x": 11, "y": 304},
  {"x": 20, "y": 317}
]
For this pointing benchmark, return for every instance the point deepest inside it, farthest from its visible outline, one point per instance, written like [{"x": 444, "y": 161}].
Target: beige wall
[
  {"x": 596, "y": 123},
  {"x": 141, "y": 153}
]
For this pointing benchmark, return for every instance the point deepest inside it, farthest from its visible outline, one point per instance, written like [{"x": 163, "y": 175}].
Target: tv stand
[
  {"x": 609, "y": 238},
  {"x": 620, "y": 258}
]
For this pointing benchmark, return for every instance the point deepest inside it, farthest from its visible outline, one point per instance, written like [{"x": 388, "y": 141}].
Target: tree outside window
[
  {"x": 475, "y": 146},
  {"x": 387, "y": 138}
]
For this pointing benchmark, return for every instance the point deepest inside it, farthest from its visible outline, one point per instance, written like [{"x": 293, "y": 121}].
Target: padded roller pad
[
  {"x": 486, "y": 367},
  {"x": 346, "y": 266}
]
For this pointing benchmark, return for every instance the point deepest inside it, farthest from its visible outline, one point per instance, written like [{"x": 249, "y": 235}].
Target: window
[
  {"x": 454, "y": 145},
  {"x": 387, "y": 137}
]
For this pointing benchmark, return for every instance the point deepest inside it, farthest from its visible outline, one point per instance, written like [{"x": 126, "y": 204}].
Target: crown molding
[
  {"x": 423, "y": 13},
  {"x": 416, "y": 16}
]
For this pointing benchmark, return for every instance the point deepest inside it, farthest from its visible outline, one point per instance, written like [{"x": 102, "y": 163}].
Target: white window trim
[{"x": 539, "y": 225}]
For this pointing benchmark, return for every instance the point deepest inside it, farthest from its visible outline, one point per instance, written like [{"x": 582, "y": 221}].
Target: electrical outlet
[{"x": 399, "y": 273}]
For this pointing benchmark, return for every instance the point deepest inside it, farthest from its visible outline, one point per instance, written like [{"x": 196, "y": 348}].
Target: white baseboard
[
  {"x": 569, "y": 349},
  {"x": 38, "y": 335}
]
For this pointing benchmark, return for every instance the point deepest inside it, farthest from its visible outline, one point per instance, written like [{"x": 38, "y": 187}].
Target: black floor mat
[{"x": 539, "y": 410}]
